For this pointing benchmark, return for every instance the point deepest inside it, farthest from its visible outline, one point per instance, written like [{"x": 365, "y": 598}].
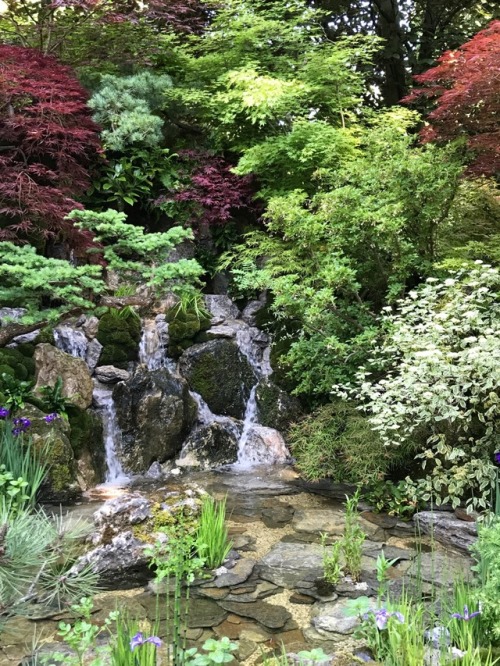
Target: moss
[
  {"x": 7, "y": 370},
  {"x": 60, "y": 462},
  {"x": 83, "y": 427},
  {"x": 186, "y": 324},
  {"x": 14, "y": 363},
  {"x": 27, "y": 349},
  {"x": 119, "y": 336},
  {"x": 46, "y": 335},
  {"x": 165, "y": 516}
]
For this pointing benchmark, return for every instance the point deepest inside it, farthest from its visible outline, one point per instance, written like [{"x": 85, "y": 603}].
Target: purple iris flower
[
  {"x": 466, "y": 616},
  {"x": 21, "y": 425},
  {"x": 4, "y": 413},
  {"x": 382, "y": 617},
  {"x": 51, "y": 417},
  {"x": 139, "y": 639},
  {"x": 496, "y": 457}
]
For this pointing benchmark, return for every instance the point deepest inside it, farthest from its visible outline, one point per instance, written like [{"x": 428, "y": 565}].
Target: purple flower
[
  {"x": 51, "y": 417},
  {"x": 382, "y": 617},
  {"x": 4, "y": 413},
  {"x": 496, "y": 456},
  {"x": 466, "y": 616},
  {"x": 21, "y": 425},
  {"x": 139, "y": 639}
]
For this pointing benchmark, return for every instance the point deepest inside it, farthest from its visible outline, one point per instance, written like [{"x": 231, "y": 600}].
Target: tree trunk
[
  {"x": 394, "y": 83},
  {"x": 11, "y": 331}
]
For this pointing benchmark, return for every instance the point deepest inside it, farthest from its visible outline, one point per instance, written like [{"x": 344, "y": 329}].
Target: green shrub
[
  {"x": 212, "y": 541},
  {"x": 336, "y": 441},
  {"x": 119, "y": 333}
]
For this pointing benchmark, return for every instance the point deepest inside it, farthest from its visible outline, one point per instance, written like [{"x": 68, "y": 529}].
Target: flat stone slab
[
  {"x": 447, "y": 529},
  {"x": 241, "y": 571},
  {"x": 330, "y": 617},
  {"x": 205, "y": 613},
  {"x": 269, "y": 615},
  {"x": 287, "y": 563},
  {"x": 332, "y": 522}
]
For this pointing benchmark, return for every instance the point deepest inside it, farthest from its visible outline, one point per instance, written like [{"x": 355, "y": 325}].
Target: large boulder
[
  {"x": 275, "y": 407},
  {"x": 221, "y": 374},
  {"x": 211, "y": 445},
  {"x": 221, "y": 307},
  {"x": 264, "y": 446},
  {"x": 155, "y": 413},
  {"x": 447, "y": 529},
  {"x": 50, "y": 363}
]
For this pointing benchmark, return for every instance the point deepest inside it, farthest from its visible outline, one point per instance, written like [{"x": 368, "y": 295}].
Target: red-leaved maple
[
  {"x": 465, "y": 86},
  {"x": 213, "y": 190},
  {"x": 48, "y": 143}
]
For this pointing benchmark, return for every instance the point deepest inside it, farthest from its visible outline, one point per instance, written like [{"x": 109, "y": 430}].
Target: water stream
[{"x": 103, "y": 399}]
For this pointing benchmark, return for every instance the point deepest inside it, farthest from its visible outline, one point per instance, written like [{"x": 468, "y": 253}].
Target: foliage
[
  {"x": 54, "y": 398},
  {"x": 12, "y": 491},
  {"x": 464, "y": 86},
  {"x": 353, "y": 538},
  {"x": 119, "y": 332},
  {"x": 49, "y": 143},
  {"x": 212, "y": 541},
  {"x": 486, "y": 553},
  {"x": 125, "y": 109},
  {"x": 331, "y": 560},
  {"x": 125, "y": 634},
  {"x": 216, "y": 652},
  {"x": 336, "y": 441},
  {"x": 438, "y": 398},
  {"x": 15, "y": 392},
  {"x": 136, "y": 254},
  {"x": 22, "y": 461},
  {"x": 37, "y": 555},
  {"x": 316, "y": 262},
  {"x": 385, "y": 496}
]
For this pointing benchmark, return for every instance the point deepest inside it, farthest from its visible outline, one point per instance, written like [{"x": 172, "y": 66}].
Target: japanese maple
[
  {"x": 210, "y": 186},
  {"x": 48, "y": 143},
  {"x": 465, "y": 87}
]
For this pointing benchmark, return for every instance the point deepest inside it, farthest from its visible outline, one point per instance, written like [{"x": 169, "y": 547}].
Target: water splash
[
  {"x": 103, "y": 399},
  {"x": 206, "y": 416},
  {"x": 245, "y": 455},
  {"x": 71, "y": 341}
]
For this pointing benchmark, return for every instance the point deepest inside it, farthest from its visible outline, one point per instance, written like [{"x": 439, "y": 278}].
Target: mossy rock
[
  {"x": 60, "y": 483},
  {"x": 277, "y": 409},
  {"x": 119, "y": 336},
  {"x": 27, "y": 349},
  {"x": 46, "y": 335},
  {"x": 16, "y": 364},
  {"x": 219, "y": 372},
  {"x": 86, "y": 438},
  {"x": 7, "y": 370},
  {"x": 185, "y": 324}
]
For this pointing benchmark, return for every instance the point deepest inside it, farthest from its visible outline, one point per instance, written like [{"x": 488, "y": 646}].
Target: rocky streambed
[{"x": 271, "y": 590}]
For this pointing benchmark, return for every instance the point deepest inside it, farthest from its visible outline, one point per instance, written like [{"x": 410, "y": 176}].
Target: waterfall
[
  {"x": 71, "y": 341},
  {"x": 154, "y": 338},
  {"x": 245, "y": 457},
  {"x": 206, "y": 416},
  {"x": 103, "y": 399}
]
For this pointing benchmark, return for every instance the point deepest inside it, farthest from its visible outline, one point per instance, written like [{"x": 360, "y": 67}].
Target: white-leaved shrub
[{"x": 433, "y": 385}]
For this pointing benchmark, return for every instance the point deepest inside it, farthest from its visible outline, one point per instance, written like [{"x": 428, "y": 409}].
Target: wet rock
[
  {"x": 251, "y": 309},
  {"x": 277, "y": 516},
  {"x": 120, "y": 564},
  {"x": 269, "y": 615},
  {"x": 155, "y": 472},
  {"x": 155, "y": 413},
  {"x": 93, "y": 353},
  {"x": 71, "y": 341},
  {"x": 108, "y": 374},
  {"x": 221, "y": 374},
  {"x": 447, "y": 529},
  {"x": 211, "y": 445},
  {"x": 276, "y": 408},
  {"x": 285, "y": 564},
  {"x": 238, "y": 574},
  {"x": 221, "y": 307},
  {"x": 265, "y": 446},
  {"x": 50, "y": 364}
]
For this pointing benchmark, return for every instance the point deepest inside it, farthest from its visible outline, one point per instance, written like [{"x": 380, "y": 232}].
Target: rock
[
  {"x": 286, "y": 564},
  {"x": 205, "y": 613},
  {"x": 90, "y": 327},
  {"x": 262, "y": 590},
  {"x": 277, "y": 516},
  {"x": 155, "y": 472},
  {"x": 211, "y": 445},
  {"x": 24, "y": 339},
  {"x": 238, "y": 574},
  {"x": 264, "y": 446},
  {"x": 276, "y": 408},
  {"x": 251, "y": 309},
  {"x": 269, "y": 615},
  {"x": 53, "y": 439},
  {"x": 330, "y": 617},
  {"x": 447, "y": 529},
  {"x": 93, "y": 353},
  {"x": 381, "y": 519},
  {"x": 108, "y": 374},
  {"x": 50, "y": 363},
  {"x": 71, "y": 341},
  {"x": 221, "y": 374},
  {"x": 155, "y": 413},
  {"x": 221, "y": 307},
  {"x": 437, "y": 568},
  {"x": 119, "y": 514},
  {"x": 221, "y": 331},
  {"x": 120, "y": 564},
  {"x": 332, "y": 522}
]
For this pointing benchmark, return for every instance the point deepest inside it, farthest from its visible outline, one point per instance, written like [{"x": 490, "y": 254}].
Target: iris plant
[{"x": 139, "y": 640}]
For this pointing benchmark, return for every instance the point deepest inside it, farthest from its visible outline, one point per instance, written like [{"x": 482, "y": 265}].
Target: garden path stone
[
  {"x": 331, "y": 521},
  {"x": 269, "y": 615},
  {"x": 286, "y": 565}
]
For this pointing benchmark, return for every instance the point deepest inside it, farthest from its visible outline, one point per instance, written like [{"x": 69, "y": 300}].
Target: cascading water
[
  {"x": 154, "y": 338},
  {"x": 71, "y": 341},
  {"x": 103, "y": 400},
  {"x": 246, "y": 458}
]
